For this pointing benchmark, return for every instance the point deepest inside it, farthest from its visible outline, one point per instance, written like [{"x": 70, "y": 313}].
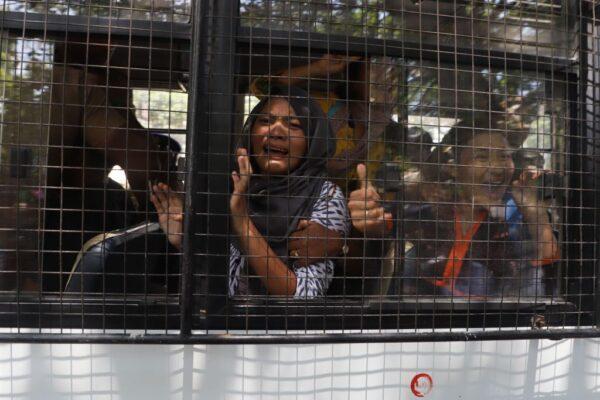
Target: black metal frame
[
  {"x": 393, "y": 48},
  {"x": 215, "y": 37},
  {"x": 196, "y": 123},
  {"x": 34, "y": 22},
  {"x": 309, "y": 338}
]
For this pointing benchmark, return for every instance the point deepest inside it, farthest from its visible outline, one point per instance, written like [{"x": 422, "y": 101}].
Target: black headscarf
[{"x": 277, "y": 202}]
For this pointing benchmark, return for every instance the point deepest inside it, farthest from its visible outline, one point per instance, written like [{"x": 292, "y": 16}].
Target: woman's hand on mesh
[
  {"x": 169, "y": 207},
  {"x": 241, "y": 181}
]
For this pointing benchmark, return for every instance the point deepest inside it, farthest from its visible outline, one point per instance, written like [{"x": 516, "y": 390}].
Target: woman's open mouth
[{"x": 275, "y": 151}]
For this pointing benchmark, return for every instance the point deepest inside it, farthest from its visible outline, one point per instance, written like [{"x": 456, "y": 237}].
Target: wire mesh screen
[
  {"x": 92, "y": 119},
  {"x": 355, "y": 166}
]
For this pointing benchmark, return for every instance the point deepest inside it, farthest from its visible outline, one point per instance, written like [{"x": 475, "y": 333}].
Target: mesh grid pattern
[{"x": 357, "y": 167}]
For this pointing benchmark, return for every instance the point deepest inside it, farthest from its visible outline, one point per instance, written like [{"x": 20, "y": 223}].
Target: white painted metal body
[{"x": 519, "y": 369}]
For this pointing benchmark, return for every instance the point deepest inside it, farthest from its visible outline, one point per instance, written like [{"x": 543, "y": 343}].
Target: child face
[
  {"x": 485, "y": 169},
  {"x": 277, "y": 139}
]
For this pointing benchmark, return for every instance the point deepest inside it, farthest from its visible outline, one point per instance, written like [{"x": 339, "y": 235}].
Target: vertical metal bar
[
  {"x": 582, "y": 162},
  {"x": 210, "y": 123},
  {"x": 590, "y": 93},
  {"x": 595, "y": 142},
  {"x": 196, "y": 123},
  {"x": 221, "y": 114}
]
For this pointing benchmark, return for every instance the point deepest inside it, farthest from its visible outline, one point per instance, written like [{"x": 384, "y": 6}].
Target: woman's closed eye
[
  {"x": 263, "y": 120},
  {"x": 292, "y": 123},
  {"x": 295, "y": 124}
]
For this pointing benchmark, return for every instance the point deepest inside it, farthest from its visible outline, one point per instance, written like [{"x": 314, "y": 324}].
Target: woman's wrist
[
  {"x": 240, "y": 223},
  {"x": 239, "y": 209}
]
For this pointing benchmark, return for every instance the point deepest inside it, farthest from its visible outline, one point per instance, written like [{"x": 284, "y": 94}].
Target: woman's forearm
[
  {"x": 275, "y": 275},
  {"x": 294, "y": 75},
  {"x": 541, "y": 232}
]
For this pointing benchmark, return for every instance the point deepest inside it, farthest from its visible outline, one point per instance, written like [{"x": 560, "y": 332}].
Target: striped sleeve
[{"x": 330, "y": 211}]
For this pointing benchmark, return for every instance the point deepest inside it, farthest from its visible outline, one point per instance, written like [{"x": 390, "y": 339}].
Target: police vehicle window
[
  {"x": 80, "y": 172},
  {"x": 454, "y": 163},
  {"x": 357, "y": 166}
]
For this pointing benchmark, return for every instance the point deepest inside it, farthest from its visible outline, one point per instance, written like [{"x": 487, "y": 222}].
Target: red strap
[{"x": 458, "y": 252}]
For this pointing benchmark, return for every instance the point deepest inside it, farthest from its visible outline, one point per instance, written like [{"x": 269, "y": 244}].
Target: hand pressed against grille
[{"x": 169, "y": 207}]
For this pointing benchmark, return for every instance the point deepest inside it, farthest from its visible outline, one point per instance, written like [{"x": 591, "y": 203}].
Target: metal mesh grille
[
  {"x": 90, "y": 116},
  {"x": 397, "y": 167}
]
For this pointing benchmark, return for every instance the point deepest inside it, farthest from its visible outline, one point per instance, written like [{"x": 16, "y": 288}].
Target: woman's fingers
[
  {"x": 167, "y": 197},
  {"x": 370, "y": 214},
  {"x": 235, "y": 177},
  {"x": 365, "y": 208},
  {"x": 165, "y": 200},
  {"x": 244, "y": 163},
  {"x": 362, "y": 205},
  {"x": 157, "y": 204},
  {"x": 159, "y": 193},
  {"x": 238, "y": 186},
  {"x": 362, "y": 200},
  {"x": 249, "y": 170},
  {"x": 242, "y": 179},
  {"x": 373, "y": 221}
]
